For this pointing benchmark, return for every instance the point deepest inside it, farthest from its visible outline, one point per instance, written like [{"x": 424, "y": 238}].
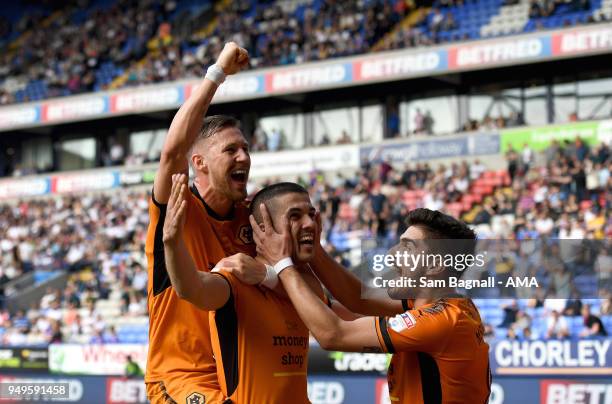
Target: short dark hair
[
  {"x": 437, "y": 225},
  {"x": 267, "y": 194}
]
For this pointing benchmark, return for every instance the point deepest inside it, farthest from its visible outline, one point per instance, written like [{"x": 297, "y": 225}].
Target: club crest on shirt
[
  {"x": 402, "y": 322},
  {"x": 245, "y": 234},
  {"x": 195, "y": 398}
]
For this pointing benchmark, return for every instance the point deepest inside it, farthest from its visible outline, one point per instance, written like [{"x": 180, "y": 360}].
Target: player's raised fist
[{"x": 233, "y": 58}]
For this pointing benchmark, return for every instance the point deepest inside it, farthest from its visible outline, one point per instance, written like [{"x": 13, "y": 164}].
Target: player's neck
[
  {"x": 432, "y": 296},
  {"x": 219, "y": 204}
]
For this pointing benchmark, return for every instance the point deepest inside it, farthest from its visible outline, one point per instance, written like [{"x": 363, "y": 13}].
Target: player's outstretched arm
[
  {"x": 347, "y": 288},
  {"x": 188, "y": 121},
  {"x": 206, "y": 291},
  {"x": 331, "y": 331}
]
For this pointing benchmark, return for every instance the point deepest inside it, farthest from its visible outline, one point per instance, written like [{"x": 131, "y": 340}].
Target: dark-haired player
[
  {"x": 259, "y": 342},
  {"x": 439, "y": 352}
]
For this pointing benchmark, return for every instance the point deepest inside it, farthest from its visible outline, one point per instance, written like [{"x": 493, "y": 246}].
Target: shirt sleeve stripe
[{"x": 384, "y": 332}]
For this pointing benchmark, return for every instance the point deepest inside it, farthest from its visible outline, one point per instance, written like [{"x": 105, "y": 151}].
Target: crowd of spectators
[
  {"x": 489, "y": 123},
  {"x": 534, "y": 319},
  {"x": 137, "y": 38},
  {"x": 274, "y": 35},
  {"x": 546, "y": 8},
  {"x": 67, "y": 51},
  {"x": 98, "y": 240},
  {"x": 561, "y": 192}
]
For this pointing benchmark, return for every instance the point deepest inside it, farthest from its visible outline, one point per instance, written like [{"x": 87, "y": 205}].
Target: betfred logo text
[
  {"x": 582, "y": 41},
  {"x": 574, "y": 392},
  {"x": 121, "y": 390}
]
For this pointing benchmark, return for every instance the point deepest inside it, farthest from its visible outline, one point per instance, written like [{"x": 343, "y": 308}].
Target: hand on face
[{"x": 272, "y": 245}]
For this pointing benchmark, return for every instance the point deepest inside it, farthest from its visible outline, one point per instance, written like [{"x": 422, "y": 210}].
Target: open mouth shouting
[
  {"x": 239, "y": 176},
  {"x": 306, "y": 239}
]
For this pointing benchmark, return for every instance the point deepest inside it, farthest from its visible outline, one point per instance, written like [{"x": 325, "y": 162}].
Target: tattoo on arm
[{"x": 371, "y": 349}]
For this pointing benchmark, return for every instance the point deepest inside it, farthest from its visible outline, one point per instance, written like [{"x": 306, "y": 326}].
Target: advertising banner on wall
[
  {"x": 308, "y": 77},
  {"x": 334, "y": 389},
  {"x": 481, "y": 54},
  {"x": 17, "y": 188},
  {"x": 552, "y": 357},
  {"x": 19, "y": 116},
  {"x": 94, "y": 181},
  {"x": 385, "y": 66},
  {"x": 429, "y": 149},
  {"x": 107, "y": 359},
  {"x": 507, "y": 358},
  {"x": 582, "y": 41},
  {"x": 296, "y": 162},
  {"x": 539, "y": 138},
  {"x": 24, "y": 359}
]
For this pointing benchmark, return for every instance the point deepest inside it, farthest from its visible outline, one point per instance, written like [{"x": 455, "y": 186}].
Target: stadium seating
[{"x": 125, "y": 65}]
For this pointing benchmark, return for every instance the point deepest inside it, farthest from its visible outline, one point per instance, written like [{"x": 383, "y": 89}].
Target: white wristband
[
  {"x": 215, "y": 74},
  {"x": 271, "y": 279},
  {"x": 283, "y": 264}
]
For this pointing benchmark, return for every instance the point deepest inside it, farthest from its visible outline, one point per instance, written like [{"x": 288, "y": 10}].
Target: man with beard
[
  {"x": 180, "y": 364},
  {"x": 439, "y": 352}
]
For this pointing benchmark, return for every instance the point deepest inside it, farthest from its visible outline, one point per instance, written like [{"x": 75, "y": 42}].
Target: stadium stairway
[
  {"x": 511, "y": 19},
  {"x": 605, "y": 11}
]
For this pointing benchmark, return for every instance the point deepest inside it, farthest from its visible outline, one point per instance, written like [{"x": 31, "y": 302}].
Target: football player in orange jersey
[
  {"x": 260, "y": 343},
  {"x": 439, "y": 352},
  {"x": 180, "y": 364}
]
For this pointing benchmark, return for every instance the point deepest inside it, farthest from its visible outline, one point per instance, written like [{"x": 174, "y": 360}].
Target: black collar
[{"x": 212, "y": 213}]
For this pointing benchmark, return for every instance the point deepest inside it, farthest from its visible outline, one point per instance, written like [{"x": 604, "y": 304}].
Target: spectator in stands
[
  {"x": 526, "y": 157},
  {"x": 275, "y": 140},
  {"x": 527, "y": 334},
  {"x": 557, "y": 326},
  {"x": 132, "y": 369},
  {"x": 428, "y": 123},
  {"x": 259, "y": 139},
  {"x": 419, "y": 122},
  {"x": 510, "y": 314},
  {"x": 593, "y": 324},
  {"x": 56, "y": 336},
  {"x": 111, "y": 337},
  {"x": 513, "y": 162},
  {"x": 393, "y": 121},
  {"x": 435, "y": 24},
  {"x": 573, "y": 307},
  {"x": 512, "y": 335},
  {"x": 523, "y": 321},
  {"x": 139, "y": 278},
  {"x": 116, "y": 153},
  {"x": 344, "y": 138}
]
